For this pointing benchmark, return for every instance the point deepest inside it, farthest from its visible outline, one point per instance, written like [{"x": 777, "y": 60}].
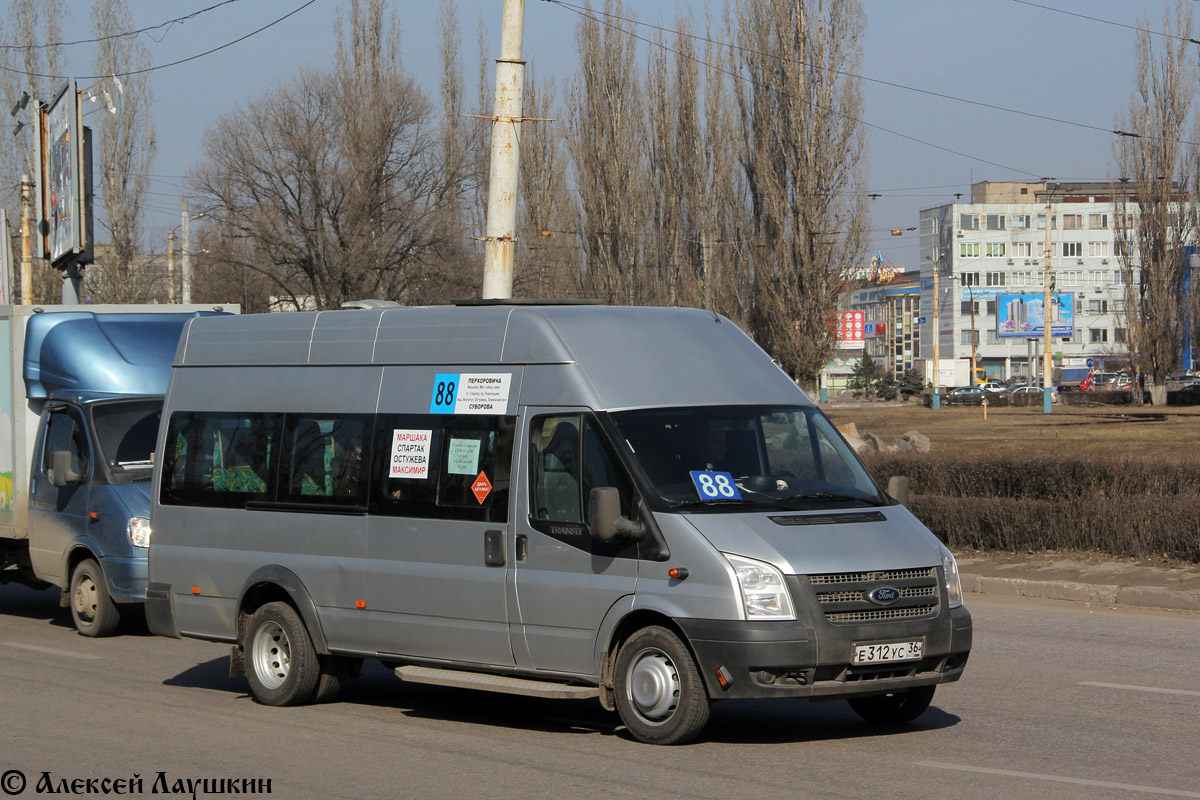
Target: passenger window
[
  {"x": 439, "y": 467},
  {"x": 322, "y": 458},
  {"x": 219, "y": 460}
]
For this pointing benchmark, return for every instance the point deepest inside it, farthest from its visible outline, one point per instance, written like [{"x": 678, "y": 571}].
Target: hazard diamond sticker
[{"x": 482, "y": 487}]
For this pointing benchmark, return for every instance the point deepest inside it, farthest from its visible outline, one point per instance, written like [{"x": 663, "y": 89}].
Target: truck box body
[
  {"x": 636, "y": 500},
  {"x": 73, "y": 378}
]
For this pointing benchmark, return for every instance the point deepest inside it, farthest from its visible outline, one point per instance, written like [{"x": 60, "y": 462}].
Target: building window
[
  {"x": 1121, "y": 335},
  {"x": 1072, "y": 222},
  {"x": 969, "y": 278},
  {"x": 1020, "y": 221},
  {"x": 968, "y": 222},
  {"x": 993, "y": 337},
  {"x": 1098, "y": 335},
  {"x": 1070, "y": 277},
  {"x": 995, "y": 222},
  {"x": 1117, "y": 277},
  {"x": 964, "y": 337},
  {"x": 1098, "y": 222},
  {"x": 1096, "y": 277},
  {"x": 995, "y": 249},
  {"x": 1041, "y": 221},
  {"x": 995, "y": 278},
  {"x": 1098, "y": 249},
  {"x": 1097, "y": 306},
  {"x": 1118, "y": 305},
  {"x": 991, "y": 307},
  {"x": 1021, "y": 279},
  {"x": 968, "y": 249},
  {"x": 1022, "y": 249},
  {"x": 1072, "y": 249}
]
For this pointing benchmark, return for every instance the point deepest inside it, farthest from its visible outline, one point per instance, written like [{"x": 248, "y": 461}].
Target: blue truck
[{"x": 81, "y": 392}]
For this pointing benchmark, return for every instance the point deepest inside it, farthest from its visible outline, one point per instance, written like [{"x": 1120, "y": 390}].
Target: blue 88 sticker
[
  {"x": 445, "y": 390},
  {"x": 715, "y": 485}
]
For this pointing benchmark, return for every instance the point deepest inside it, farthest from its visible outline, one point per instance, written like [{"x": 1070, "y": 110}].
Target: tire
[
  {"x": 335, "y": 674},
  {"x": 896, "y": 708},
  {"x": 658, "y": 690},
  {"x": 92, "y": 607},
  {"x": 281, "y": 664}
]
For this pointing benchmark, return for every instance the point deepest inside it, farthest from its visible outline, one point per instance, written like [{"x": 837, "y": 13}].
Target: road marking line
[
  {"x": 1128, "y": 787},
  {"x": 51, "y": 650},
  {"x": 1139, "y": 688}
]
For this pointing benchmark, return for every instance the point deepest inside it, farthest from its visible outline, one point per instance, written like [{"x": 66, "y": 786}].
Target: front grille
[{"x": 843, "y": 597}]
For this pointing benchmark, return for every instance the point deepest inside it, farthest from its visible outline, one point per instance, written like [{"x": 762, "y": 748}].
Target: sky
[{"x": 1069, "y": 60}]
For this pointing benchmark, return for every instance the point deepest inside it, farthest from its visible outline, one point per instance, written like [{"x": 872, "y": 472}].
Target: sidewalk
[{"x": 1053, "y": 576}]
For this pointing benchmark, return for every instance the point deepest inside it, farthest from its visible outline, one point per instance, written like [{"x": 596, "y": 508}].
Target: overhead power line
[
  {"x": 125, "y": 35},
  {"x": 173, "y": 63},
  {"x": 1108, "y": 21}
]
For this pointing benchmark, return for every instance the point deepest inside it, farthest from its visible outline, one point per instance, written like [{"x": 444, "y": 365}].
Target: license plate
[{"x": 887, "y": 651}]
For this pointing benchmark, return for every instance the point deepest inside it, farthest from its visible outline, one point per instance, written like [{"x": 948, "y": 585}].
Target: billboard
[
  {"x": 1020, "y": 316},
  {"x": 64, "y": 202},
  {"x": 850, "y": 327}
]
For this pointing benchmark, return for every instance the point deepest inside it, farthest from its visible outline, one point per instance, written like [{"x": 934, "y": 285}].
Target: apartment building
[{"x": 990, "y": 258}]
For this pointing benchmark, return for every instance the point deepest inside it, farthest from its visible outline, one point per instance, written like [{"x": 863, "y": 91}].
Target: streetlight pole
[
  {"x": 1047, "y": 324},
  {"x": 936, "y": 400}
]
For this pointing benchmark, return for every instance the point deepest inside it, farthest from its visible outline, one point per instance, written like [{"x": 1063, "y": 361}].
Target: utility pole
[
  {"x": 936, "y": 400},
  {"x": 501, "y": 234},
  {"x": 171, "y": 266},
  {"x": 26, "y": 244},
  {"x": 185, "y": 256},
  {"x": 1047, "y": 325}
]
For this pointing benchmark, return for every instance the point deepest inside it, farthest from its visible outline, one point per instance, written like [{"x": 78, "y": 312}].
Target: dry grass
[{"x": 1069, "y": 429}]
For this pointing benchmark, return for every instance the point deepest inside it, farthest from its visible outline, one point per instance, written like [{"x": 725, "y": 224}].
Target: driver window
[
  {"x": 554, "y": 469},
  {"x": 65, "y": 432}
]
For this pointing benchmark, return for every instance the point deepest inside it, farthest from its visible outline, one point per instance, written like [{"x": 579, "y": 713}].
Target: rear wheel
[
  {"x": 281, "y": 663},
  {"x": 92, "y": 608},
  {"x": 658, "y": 690},
  {"x": 895, "y": 708}
]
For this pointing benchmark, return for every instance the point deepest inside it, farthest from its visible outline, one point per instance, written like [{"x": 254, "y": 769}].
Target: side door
[
  {"x": 438, "y": 537},
  {"x": 58, "y": 514},
  {"x": 565, "y": 580}
]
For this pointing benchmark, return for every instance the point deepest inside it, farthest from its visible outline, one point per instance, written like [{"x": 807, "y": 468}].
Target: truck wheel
[
  {"x": 895, "y": 708},
  {"x": 92, "y": 608},
  {"x": 658, "y": 690},
  {"x": 281, "y": 664}
]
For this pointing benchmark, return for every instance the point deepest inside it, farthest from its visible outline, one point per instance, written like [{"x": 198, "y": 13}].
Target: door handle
[
  {"x": 522, "y": 547},
  {"x": 493, "y": 548}
]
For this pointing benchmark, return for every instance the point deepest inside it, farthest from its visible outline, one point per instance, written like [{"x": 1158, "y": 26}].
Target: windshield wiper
[{"x": 829, "y": 496}]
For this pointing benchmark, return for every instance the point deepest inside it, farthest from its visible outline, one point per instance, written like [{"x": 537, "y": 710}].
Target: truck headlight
[
  {"x": 764, "y": 594},
  {"x": 139, "y": 531},
  {"x": 953, "y": 581}
]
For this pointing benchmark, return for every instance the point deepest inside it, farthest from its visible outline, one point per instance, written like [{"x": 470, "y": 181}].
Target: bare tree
[
  {"x": 30, "y": 60},
  {"x": 126, "y": 151},
  {"x": 1159, "y": 172},
  {"x": 336, "y": 180},
  {"x": 606, "y": 140},
  {"x": 802, "y": 150}
]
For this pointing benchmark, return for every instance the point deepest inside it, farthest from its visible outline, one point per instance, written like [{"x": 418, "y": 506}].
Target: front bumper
[{"x": 790, "y": 659}]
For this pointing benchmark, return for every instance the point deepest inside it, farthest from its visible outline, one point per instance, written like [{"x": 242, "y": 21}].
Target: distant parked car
[
  {"x": 1035, "y": 391},
  {"x": 965, "y": 396},
  {"x": 991, "y": 386}
]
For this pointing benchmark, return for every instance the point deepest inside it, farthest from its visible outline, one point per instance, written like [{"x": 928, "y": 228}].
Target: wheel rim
[
  {"x": 85, "y": 599},
  {"x": 652, "y": 686},
  {"x": 271, "y": 654}
]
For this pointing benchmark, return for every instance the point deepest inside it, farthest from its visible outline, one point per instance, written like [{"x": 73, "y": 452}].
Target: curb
[{"x": 1099, "y": 593}]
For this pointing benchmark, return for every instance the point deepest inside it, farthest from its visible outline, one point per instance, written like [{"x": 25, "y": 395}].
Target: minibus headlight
[
  {"x": 953, "y": 581},
  {"x": 139, "y": 531},
  {"x": 764, "y": 594}
]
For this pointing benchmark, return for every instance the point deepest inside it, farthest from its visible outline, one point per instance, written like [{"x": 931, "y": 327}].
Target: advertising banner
[
  {"x": 1020, "y": 316},
  {"x": 850, "y": 327}
]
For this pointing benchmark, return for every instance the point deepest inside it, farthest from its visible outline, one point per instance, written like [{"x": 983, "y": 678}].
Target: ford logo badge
[{"x": 884, "y": 595}]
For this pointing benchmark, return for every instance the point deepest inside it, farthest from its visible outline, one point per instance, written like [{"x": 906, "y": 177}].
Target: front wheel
[
  {"x": 92, "y": 607},
  {"x": 658, "y": 690},
  {"x": 281, "y": 663},
  {"x": 895, "y": 708}
]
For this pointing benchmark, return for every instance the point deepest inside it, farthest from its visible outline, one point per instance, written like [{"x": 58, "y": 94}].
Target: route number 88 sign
[{"x": 715, "y": 485}]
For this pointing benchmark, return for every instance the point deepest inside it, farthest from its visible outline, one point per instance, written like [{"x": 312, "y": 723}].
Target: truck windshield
[
  {"x": 127, "y": 431},
  {"x": 717, "y": 458}
]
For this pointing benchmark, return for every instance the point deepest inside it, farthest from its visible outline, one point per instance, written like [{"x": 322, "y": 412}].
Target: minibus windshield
[{"x": 730, "y": 458}]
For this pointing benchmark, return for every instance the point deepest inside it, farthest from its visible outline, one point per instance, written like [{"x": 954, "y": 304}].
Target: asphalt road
[{"x": 1059, "y": 700}]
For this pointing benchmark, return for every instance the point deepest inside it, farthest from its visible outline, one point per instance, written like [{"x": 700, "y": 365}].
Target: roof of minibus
[{"x": 631, "y": 356}]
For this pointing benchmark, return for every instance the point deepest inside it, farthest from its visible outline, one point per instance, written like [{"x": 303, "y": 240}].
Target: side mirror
[
  {"x": 60, "y": 469},
  {"x": 604, "y": 513},
  {"x": 898, "y": 488}
]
